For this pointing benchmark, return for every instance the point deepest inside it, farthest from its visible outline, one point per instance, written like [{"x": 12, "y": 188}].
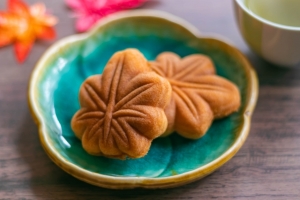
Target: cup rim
[{"x": 276, "y": 25}]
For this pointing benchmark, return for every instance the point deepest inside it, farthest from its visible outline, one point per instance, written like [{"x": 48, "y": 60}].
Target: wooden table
[{"x": 267, "y": 166}]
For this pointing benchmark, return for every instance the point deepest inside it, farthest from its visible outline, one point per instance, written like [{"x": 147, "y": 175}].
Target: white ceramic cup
[{"x": 276, "y": 43}]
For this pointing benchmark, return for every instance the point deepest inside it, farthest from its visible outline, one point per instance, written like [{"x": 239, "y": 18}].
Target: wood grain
[{"x": 267, "y": 166}]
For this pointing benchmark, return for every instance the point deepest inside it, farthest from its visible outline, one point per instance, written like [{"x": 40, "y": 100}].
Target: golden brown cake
[
  {"x": 199, "y": 96},
  {"x": 122, "y": 110}
]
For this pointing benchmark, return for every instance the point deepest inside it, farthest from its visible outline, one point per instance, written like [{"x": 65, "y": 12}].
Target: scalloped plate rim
[{"x": 114, "y": 182}]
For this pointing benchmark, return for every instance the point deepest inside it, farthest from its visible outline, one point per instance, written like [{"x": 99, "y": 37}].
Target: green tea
[{"x": 285, "y": 12}]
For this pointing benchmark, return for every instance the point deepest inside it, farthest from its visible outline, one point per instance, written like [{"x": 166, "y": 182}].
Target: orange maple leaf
[{"x": 22, "y": 25}]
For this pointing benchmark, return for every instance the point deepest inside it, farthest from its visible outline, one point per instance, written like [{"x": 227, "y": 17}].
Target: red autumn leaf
[
  {"x": 22, "y": 25},
  {"x": 90, "y": 11}
]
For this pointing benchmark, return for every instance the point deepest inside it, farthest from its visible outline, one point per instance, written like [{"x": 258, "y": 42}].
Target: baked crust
[
  {"x": 198, "y": 95},
  {"x": 122, "y": 110}
]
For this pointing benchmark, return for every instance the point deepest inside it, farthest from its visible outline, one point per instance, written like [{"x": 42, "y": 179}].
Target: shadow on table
[
  {"x": 270, "y": 74},
  {"x": 43, "y": 177}
]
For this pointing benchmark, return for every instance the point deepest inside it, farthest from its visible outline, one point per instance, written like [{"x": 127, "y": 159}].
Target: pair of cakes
[{"x": 135, "y": 101}]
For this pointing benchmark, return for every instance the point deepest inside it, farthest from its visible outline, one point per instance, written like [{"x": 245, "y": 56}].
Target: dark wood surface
[{"x": 267, "y": 166}]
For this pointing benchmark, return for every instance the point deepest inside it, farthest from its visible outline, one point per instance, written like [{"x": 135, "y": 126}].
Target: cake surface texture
[
  {"x": 122, "y": 110},
  {"x": 198, "y": 95}
]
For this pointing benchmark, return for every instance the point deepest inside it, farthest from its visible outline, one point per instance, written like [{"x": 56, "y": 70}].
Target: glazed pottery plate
[{"x": 171, "y": 161}]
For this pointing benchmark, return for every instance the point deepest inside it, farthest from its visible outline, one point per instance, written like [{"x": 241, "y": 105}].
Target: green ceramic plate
[{"x": 171, "y": 161}]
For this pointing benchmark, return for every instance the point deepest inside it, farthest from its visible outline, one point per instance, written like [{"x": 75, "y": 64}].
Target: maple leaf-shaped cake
[
  {"x": 122, "y": 110},
  {"x": 198, "y": 95}
]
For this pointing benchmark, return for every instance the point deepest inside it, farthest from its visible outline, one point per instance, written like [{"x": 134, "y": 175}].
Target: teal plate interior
[{"x": 56, "y": 86}]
